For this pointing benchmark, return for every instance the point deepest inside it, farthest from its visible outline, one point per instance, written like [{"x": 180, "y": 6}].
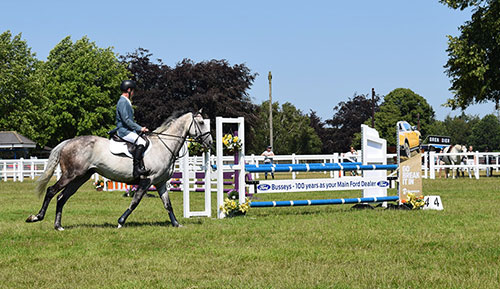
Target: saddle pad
[{"x": 120, "y": 148}]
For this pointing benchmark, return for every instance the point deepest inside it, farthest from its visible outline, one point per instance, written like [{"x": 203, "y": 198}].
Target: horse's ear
[{"x": 200, "y": 111}]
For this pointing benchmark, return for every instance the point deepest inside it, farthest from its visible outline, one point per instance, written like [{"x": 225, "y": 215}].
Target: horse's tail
[{"x": 52, "y": 163}]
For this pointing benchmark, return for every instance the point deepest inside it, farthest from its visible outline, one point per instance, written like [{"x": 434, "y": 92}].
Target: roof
[{"x": 14, "y": 140}]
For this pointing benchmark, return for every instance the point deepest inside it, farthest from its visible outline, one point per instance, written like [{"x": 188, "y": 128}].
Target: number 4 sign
[{"x": 433, "y": 203}]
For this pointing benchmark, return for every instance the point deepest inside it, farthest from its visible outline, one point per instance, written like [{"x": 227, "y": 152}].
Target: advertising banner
[
  {"x": 308, "y": 185},
  {"x": 409, "y": 161}
]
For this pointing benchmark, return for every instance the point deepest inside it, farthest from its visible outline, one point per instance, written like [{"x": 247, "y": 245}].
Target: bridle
[{"x": 200, "y": 137}]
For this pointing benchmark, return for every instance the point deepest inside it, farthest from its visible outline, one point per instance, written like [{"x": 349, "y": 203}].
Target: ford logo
[
  {"x": 383, "y": 184},
  {"x": 263, "y": 187}
]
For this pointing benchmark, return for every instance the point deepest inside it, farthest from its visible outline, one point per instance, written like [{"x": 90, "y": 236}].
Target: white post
[
  {"x": 32, "y": 170},
  {"x": 21, "y": 169},
  {"x": 476, "y": 165},
  {"x": 294, "y": 161},
  {"x": 335, "y": 160},
  {"x": 220, "y": 163},
  {"x": 425, "y": 155},
  {"x": 241, "y": 160},
  {"x": 184, "y": 165},
  {"x": 432, "y": 162},
  {"x": 220, "y": 167},
  {"x": 208, "y": 184}
]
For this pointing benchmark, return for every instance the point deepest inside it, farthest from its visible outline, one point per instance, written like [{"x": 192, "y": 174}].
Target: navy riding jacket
[{"x": 125, "y": 118}]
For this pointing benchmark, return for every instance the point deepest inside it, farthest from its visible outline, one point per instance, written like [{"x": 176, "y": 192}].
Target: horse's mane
[{"x": 167, "y": 123}]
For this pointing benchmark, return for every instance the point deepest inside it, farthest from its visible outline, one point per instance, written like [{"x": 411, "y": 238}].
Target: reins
[{"x": 198, "y": 138}]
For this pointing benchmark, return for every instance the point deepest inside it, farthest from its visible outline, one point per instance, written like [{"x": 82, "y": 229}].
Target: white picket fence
[{"x": 20, "y": 169}]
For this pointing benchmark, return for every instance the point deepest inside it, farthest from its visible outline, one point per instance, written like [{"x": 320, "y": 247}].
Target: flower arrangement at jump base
[
  {"x": 231, "y": 143},
  {"x": 99, "y": 184},
  {"x": 232, "y": 208},
  {"x": 415, "y": 202},
  {"x": 195, "y": 148}
]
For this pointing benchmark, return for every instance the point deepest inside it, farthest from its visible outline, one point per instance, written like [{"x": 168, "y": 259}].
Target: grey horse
[
  {"x": 455, "y": 159},
  {"x": 82, "y": 156}
]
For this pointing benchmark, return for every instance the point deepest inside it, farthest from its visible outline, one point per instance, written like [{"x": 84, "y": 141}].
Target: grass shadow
[{"x": 115, "y": 225}]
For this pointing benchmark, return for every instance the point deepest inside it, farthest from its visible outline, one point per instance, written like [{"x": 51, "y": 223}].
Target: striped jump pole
[
  {"x": 323, "y": 202},
  {"x": 315, "y": 167}
]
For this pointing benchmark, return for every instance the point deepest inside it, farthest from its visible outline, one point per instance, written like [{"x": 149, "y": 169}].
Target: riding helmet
[{"x": 126, "y": 84}]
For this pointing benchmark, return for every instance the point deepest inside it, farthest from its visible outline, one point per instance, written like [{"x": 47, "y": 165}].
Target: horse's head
[{"x": 200, "y": 130}]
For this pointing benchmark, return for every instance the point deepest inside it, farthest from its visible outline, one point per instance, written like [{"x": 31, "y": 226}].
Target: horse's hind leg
[
  {"x": 70, "y": 189},
  {"x": 165, "y": 198},
  {"x": 143, "y": 187},
  {"x": 51, "y": 192}
]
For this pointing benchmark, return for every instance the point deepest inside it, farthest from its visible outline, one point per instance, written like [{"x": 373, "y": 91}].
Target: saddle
[{"x": 119, "y": 146}]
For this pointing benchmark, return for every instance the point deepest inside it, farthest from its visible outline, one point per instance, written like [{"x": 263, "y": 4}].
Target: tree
[
  {"x": 486, "y": 134},
  {"x": 82, "y": 86},
  {"x": 292, "y": 132},
  {"x": 214, "y": 86},
  {"x": 347, "y": 120},
  {"x": 19, "y": 101},
  {"x": 474, "y": 56},
  {"x": 324, "y": 133},
  {"x": 459, "y": 128},
  {"x": 403, "y": 104}
]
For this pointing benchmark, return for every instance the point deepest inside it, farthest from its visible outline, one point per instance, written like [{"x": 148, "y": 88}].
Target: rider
[{"x": 127, "y": 128}]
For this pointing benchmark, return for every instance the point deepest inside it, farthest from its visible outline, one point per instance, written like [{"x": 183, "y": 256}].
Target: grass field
[{"x": 306, "y": 247}]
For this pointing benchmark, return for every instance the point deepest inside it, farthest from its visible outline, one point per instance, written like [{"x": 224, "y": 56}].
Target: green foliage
[
  {"x": 463, "y": 4},
  {"x": 402, "y": 104},
  {"x": 486, "y": 134},
  {"x": 292, "y": 132},
  {"x": 215, "y": 86},
  {"x": 346, "y": 122},
  {"x": 459, "y": 128},
  {"x": 474, "y": 56},
  {"x": 20, "y": 101},
  {"x": 82, "y": 87}
]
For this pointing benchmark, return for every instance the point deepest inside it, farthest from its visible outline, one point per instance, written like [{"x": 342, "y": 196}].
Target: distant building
[{"x": 15, "y": 145}]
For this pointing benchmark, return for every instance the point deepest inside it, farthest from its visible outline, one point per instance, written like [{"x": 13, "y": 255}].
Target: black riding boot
[{"x": 138, "y": 163}]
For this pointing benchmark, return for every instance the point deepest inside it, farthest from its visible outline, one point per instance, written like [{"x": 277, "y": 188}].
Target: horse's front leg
[
  {"x": 141, "y": 190},
  {"x": 165, "y": 198}
]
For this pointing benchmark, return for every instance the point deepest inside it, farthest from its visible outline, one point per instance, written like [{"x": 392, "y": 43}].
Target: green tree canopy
[
  {"x": 486, "y": 134},
  {"x": 82, "y": 86},
  {"x": 458, "y": 128},
  {"x": 215, "y": 86},
  {"x": 19, "y": 99},
  {"x": 402, "y": 104},
  {"x": 292, "y": 132},
  {"x": 474, "y": 56},
  {"x": 347, "y": 120}
]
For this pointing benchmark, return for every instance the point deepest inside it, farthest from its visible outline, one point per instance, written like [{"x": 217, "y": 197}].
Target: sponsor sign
[
  {"x": 309, "y": 185},
  {"x": 410, "y": 179},
  {"x": 441, "y": 140}
]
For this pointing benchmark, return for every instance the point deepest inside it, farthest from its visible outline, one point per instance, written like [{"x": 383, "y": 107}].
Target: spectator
[
  {"x": 352, "y": 156},
  {"x": 268, "y": 158},
  {"x": 487, "y": 162},
  {"x": 471, "y": 160}
]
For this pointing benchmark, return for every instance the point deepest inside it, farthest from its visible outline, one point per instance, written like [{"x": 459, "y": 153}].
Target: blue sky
[{"x": 319, "y": 52}]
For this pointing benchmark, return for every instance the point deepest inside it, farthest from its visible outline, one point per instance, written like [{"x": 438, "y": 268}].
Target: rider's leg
[{"x": 140, "y": 143}]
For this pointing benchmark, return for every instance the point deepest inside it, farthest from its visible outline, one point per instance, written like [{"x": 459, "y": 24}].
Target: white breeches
[{"x": 134, "y": 138}]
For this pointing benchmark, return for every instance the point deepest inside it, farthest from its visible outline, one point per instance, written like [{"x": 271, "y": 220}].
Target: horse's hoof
[
  {"x": 119, "y": 226},
  {"x": 59, "y": 228},
  {"x": 32, "y": 219}
]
